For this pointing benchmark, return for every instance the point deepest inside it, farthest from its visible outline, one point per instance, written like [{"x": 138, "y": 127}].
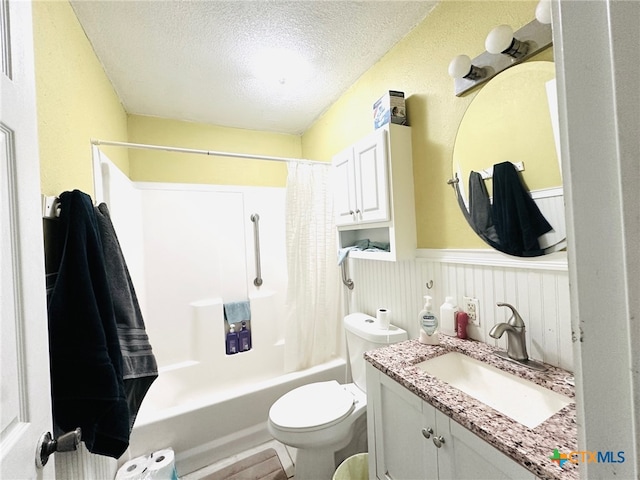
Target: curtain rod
[{"x": 204, "y": 152}]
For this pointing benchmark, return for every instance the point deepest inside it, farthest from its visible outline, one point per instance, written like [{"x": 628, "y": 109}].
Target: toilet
[{"x": 326, "y": 421}]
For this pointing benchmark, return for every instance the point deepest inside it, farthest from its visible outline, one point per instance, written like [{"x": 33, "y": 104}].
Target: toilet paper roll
[
  {"x": 162, "y": 465},
  {"x": 133, "y": 469},
  {"x": 383, "y": 316}
]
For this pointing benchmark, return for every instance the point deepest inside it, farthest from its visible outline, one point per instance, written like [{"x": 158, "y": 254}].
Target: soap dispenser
[{"x": 428, "y": 324}]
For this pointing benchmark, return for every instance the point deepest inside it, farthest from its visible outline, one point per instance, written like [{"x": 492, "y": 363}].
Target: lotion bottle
[
  {"x": 428, "y": 324},
  {"x": 448, "y": 317}
]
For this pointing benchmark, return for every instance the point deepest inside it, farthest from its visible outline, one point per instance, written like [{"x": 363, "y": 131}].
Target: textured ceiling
[{"x": 263, "y": 65}]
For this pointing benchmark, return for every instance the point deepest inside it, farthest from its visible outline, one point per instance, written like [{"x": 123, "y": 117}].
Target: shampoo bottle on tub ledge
[
  {"x": 244, "y": 338},
  {"x": 428, "y": 324},
  {"x": 232, "y": 340}
]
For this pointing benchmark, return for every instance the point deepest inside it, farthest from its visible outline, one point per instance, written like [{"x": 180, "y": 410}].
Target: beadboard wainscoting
[
  {"x": 537, "y": 287},
  {"x": 81, "y": 465}
]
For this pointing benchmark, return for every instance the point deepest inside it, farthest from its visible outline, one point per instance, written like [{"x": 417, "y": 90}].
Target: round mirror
[{"x": 506, "y": 172}]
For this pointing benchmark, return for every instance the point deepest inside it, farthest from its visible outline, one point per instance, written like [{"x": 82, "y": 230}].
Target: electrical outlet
[{"x": 471, "y": 306}]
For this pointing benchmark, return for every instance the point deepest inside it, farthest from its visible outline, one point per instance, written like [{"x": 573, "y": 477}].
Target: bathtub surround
[{"x": 313, "y": 331}]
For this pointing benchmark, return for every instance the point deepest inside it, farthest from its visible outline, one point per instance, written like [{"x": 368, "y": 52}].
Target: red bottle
[{"x": 462, "y": 320}]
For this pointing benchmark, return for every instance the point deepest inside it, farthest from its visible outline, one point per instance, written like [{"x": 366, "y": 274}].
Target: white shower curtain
[{"x": 314, "y": 322}]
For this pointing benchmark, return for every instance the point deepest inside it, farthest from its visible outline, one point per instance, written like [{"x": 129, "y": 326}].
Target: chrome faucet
[{"x": 516, "y": 339}]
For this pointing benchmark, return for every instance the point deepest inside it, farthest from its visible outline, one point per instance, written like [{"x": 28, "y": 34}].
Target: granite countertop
[{"x": 529, "y": 447}]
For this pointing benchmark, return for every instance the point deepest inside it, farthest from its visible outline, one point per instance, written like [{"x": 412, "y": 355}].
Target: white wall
[
  {"x": 198, "y": 248},
  {"x": 538, "y": 288},
  {"x": 599, "y": 102},
  {"x": 193, "y": 245}
]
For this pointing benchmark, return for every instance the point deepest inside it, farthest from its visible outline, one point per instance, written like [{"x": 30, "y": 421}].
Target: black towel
[
  {"x": 516, "y": 217},
  {"x": 139, "y": 364},
  {"x": 85, "y": 357},
  {"x": 480, "y": 216}
]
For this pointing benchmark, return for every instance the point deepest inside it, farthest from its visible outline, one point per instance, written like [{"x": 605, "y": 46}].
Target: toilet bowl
[
  {"x": 317, "y": 415},
  {"x": 318, "y": 419},
  {"x": 323, "y": 419}
]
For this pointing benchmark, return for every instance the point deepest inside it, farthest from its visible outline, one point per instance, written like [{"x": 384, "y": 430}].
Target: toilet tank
[{"x": 363, "y": 334}]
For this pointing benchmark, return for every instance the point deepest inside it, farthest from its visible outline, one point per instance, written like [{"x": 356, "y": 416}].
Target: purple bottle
[
  {"x": 244, "y": 338},
  {"x": 232, "y": 340}
]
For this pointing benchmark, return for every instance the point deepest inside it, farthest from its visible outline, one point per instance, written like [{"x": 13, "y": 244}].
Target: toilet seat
[{"x": 312, "y": 407}]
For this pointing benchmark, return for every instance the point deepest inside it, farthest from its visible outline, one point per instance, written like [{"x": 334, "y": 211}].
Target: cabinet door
[
  {"x": 463, "y": 455},
  {"x": 372, "y": 184},
  {"x": 344, "y": 184},
  {"x": 401, "y": 451}
]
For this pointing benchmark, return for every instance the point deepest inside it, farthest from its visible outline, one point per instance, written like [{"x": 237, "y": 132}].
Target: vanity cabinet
[
  {"x": 373, "y": 193},
  {"x": 410, "y": 439}
]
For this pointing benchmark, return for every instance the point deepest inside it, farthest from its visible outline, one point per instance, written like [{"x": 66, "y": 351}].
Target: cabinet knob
[
  {"x": 427, "y": 432},
  {"x": 438, "y": 441}
]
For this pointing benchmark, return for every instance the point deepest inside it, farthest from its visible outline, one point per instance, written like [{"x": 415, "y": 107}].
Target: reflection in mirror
[{"x": 506, "y": 172}]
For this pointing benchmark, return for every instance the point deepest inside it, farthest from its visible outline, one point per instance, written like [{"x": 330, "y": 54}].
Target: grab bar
[
  {"x": 256, "y": 240},
  {"x": 347, "y": 281}
]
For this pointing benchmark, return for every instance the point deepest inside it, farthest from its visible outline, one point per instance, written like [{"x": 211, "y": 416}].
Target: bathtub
[
  {"x": 204, "y": 425},
  {"x": 189, "y": 248}
]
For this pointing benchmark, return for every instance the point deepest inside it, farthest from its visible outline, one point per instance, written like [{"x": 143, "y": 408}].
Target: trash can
[{"x": 355, "y": 467}]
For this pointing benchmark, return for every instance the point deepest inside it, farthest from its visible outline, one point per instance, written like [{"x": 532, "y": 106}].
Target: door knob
[
  {"x": 438, "y": 441},
  {"x": 64, "y": 443},
  {"x": 427, "y": 432}
]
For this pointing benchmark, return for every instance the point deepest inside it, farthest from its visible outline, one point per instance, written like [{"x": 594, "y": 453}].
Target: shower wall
[{"x": 191, "y": 247}]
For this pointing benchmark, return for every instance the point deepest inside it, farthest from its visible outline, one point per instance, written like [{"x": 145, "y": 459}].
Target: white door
[
  {"x": 344, "y": 184},
  {"x": 372, "y": 187},
  {"x": 25, "y": 408}
]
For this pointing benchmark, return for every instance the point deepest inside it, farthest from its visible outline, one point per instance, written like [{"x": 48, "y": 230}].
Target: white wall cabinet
[
  {"x": 373, "y": 193},
  {"x": 362, "y": 193},
  {"x": 410, "y": 439}
]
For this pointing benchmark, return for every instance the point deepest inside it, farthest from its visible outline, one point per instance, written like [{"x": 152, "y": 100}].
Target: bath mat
[{"x": 264, "y": 465}]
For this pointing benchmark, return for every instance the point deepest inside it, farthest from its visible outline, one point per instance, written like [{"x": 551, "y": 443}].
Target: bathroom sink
[{"x": 522, "y": 400}]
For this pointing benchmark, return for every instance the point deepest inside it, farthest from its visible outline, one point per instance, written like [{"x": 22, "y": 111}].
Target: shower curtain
[{"x": 314, "y": 321}]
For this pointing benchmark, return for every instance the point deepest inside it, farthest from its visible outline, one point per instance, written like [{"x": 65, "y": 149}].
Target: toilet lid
[{"x": 313, "y": 406}]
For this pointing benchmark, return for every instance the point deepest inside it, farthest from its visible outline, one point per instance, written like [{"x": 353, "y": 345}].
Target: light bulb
[
  {"x": 459, "y": 66},
  {"x": 499, "y": 39},
  {"x": 543, "y": 11}
]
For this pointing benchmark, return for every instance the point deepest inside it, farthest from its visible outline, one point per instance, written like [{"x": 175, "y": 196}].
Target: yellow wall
[
  {"x": 75, "y": 101},
  {"x": 417, "y": 65},
  {"x": 157, "y": 166}
]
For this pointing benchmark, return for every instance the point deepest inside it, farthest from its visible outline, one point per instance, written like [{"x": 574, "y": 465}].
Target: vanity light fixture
[
  {"x": 461, "y": 67},
  {"x": 543, "y": 12},
  {"x": 505, "y": 48},
  {"x": 501, "y": 40}
]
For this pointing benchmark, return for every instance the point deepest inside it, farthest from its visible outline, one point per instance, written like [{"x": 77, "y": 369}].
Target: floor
[{"x": 286, "y": 457}]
